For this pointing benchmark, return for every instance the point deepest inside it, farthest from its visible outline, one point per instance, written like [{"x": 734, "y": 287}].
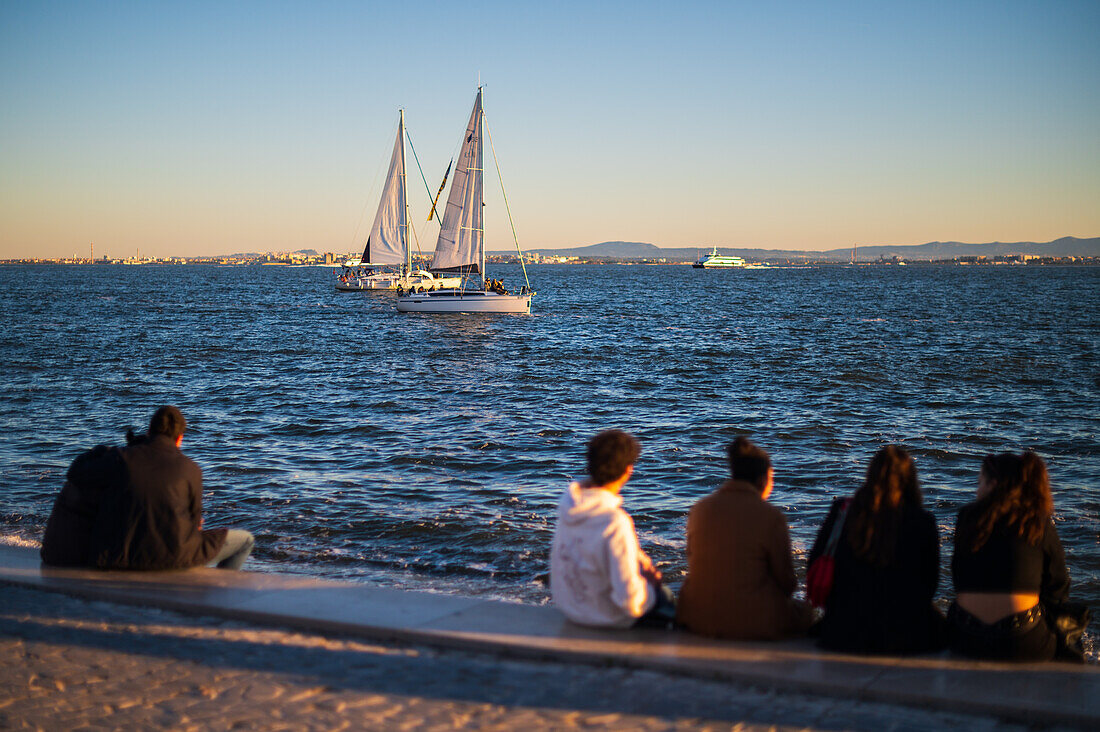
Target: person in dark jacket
[
  {"x": 139, "y": 507},
  {"x": 1009, "y": 568},
  {"x": 887, "y": 565},
  {"x": 67, "y": 541}
]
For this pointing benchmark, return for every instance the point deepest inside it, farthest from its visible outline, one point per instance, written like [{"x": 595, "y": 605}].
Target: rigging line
[
  {"x": 415, "y": 237},
  {"x": 422, "y": 177},
  {"x": 515, "y": 237}
]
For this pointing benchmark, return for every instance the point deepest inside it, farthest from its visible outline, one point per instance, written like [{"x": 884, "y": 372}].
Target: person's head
[
  {"x": 892, "y": 479},
  {"x": 1014, "y": 489},
  {"x": 890, "y": 484},
  {"x": 610, "y": 455},
  {"x": 999, "y": 474},
  {"x": 167, "y": 421},
  {"x": 749, "y": 463}
]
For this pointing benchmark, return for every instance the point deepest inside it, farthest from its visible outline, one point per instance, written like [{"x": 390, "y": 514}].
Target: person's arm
[
  {"x": 780, "y": 564},
  {"x": 194, "y": 483},
  {"x": 957, "y": 551},
  {"x": 648, "y": 568},
  {"x": 1055, "y": 582},
  {"x": 629, "y": 589}
]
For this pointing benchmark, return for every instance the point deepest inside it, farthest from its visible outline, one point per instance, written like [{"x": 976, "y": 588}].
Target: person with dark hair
[
  {"x": 599, "y": 575},
  {"x": 1008, "y": 565},
  {"x": 740, "y": 576},
  {"x": 138, "y": 507},
  {"x": 887, "y": 564}
]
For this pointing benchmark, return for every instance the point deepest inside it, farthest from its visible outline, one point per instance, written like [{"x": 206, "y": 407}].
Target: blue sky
[{"x": 204, "y": 128}]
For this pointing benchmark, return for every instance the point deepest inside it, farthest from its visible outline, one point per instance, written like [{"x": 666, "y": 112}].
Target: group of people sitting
[
  {"x": 355, "y": 274},
  {"x": 1008, "y": 566},
  {"x": 140, "y": 507}
]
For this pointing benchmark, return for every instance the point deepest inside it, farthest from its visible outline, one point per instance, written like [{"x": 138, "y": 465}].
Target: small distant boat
[
  {"x": 388, "y": 242},
  {"x": 716, "y": 260},
  {"x": 461, "y": 244}
]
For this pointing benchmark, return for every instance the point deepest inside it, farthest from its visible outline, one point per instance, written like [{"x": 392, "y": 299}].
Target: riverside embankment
[{"x": 448, "y": 661}]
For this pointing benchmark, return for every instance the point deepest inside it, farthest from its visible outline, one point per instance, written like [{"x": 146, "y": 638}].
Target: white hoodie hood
[{"x": 594, "y": 573}]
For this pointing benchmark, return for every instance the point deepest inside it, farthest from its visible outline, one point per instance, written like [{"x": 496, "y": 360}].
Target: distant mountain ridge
[
  {"x": 302, "y": 252},
  {"x": 1067, "y": 246}
]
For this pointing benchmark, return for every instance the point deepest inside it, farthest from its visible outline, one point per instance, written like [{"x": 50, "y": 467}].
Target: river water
[{"x": 428, "y": 452}]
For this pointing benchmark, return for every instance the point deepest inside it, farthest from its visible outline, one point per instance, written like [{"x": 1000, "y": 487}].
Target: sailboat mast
[
  {"x": 404, "y": 200},
  {"x": 481, "y": 167}
]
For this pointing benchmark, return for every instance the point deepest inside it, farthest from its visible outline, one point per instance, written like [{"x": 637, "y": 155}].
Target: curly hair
[
  {"x": 609, "y": 454},
  {"x": 874, "y": 516},
  {"x": 1018, "y": 497}
]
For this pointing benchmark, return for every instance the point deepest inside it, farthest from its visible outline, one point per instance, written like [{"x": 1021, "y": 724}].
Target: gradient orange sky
[{"x": 212, "y": 128}]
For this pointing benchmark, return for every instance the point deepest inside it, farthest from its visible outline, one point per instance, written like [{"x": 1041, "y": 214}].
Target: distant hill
[
  {"x": 619, "y": 249},
  {"x": 303, "y": 252},
  {"x": 1068, "y": 246}
]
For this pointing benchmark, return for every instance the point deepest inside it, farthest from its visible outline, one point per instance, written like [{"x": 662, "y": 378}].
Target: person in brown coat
[{"x": 740, "y": 575}]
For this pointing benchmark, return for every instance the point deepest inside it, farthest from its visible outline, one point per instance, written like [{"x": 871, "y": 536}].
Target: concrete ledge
[{"x": 1062, "y": 694}]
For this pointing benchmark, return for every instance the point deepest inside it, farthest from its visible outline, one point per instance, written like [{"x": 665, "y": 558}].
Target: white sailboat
[
  {"x": 388, "y": 242},
  {"x": 461, "y": 244}
]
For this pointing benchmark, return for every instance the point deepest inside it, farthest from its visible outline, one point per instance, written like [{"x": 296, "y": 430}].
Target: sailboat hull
[{"x": 463, "y": 301}]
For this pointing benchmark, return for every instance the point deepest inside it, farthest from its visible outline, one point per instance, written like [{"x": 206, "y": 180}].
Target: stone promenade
[{"x": 72, "y": 663}]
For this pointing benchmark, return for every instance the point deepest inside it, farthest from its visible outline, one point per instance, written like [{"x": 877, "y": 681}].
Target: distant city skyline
[{"x": 209, "y": 128}]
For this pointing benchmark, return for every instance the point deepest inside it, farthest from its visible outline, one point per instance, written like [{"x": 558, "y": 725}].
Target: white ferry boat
[{"x": 714, "y": 259}]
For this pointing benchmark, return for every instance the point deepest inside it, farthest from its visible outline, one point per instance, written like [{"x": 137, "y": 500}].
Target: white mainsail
[
  {"x": 462, "y": 236},
  {"x": 386, "y": 243}
]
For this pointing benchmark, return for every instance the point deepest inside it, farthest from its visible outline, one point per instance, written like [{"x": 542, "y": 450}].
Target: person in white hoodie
[{"x": 599, "y": 575}]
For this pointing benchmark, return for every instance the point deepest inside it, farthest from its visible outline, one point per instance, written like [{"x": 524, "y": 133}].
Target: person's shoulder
[
  {"x": 920, "y": 518},
  {"x": 619, "y": 519},
  {"x": 190, "y": 464},
  {"x": 708, "y": 500},
  {"x": 721, "y": 500},
  {"x": 1050, "y": 532},
  {"x": 98, "y": 452},
  {"x": 93, "y": 461},
  {"x": 838, "y": 504},
  {"x": 968, "y": 510},
  {"x": 774, "y": 512}
]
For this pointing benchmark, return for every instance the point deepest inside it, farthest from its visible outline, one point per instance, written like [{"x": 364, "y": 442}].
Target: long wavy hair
[
  {"x": 1018, "y": 496},
  {"x": 874, "y": 518}
]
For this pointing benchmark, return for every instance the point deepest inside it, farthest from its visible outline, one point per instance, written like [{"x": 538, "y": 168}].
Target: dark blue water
[{"x": 428, "y": 451}]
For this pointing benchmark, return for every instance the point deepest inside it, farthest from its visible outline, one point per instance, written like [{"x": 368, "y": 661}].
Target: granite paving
[
  {"x": 503, "y": 654},
  {"x": 70, "y": 663}
]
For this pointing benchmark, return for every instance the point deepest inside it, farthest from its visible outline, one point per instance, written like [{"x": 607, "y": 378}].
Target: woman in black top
[
  {"x": 1008, "y": 563},
  {"x": 887, "y": 565}
]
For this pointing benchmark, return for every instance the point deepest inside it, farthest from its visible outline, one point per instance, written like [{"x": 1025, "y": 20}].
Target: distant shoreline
[{"x": 1068, "y": 261}]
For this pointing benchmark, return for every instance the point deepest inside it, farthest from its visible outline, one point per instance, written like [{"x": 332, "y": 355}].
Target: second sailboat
[
  {"x": 388, "y": 241},
  {"x": 461, "y": 245}
]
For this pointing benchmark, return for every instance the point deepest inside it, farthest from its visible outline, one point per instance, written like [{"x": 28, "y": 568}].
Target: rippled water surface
[{"x": 428, "y": 451}]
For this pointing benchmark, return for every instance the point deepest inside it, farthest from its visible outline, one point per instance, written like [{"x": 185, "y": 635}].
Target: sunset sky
[{"x": 217, "y": 127}]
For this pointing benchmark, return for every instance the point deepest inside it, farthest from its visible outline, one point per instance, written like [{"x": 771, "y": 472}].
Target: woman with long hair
[
  {"x": 1008, "y": 563},
  {"x": 887, "y": 564}
]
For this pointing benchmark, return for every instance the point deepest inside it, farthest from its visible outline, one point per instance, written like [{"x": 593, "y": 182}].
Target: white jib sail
[
  {"x": 386, "y": 244},
  {"x": 462, "y": 234}
]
